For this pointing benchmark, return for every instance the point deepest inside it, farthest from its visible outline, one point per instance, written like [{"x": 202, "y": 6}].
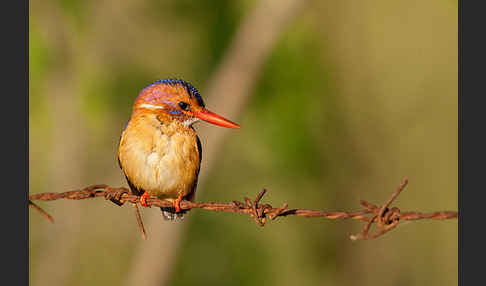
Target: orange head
[{"x": 173, "y": 99}]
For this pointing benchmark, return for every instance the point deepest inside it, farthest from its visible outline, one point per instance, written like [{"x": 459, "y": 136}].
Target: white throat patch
[{"x": 190, "y": 121}]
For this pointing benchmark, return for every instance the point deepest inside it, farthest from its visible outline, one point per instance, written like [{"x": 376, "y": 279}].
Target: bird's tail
[{"x": 169, "y": 213}]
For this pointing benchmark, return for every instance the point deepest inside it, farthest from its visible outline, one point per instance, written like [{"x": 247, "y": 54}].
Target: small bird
[{"x": 159, "y": 151}]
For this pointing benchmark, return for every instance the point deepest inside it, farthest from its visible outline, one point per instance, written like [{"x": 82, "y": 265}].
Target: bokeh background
[{"x": 338, "y": 101}]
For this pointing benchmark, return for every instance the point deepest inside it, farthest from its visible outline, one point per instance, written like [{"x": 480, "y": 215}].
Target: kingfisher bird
[{"x": 159, "y": 151}]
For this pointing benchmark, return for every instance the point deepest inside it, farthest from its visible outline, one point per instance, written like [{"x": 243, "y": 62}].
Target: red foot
[
  {"x": 177, "y": 203},
  {"x": 143, "y": 199}
]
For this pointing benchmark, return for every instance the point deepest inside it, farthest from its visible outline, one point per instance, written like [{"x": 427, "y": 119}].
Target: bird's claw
[
  {"x": 177, "y": 203},
  {"x": 143, "y": 199}
]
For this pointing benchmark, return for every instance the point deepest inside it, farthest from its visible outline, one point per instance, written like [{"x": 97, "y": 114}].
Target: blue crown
[{"x": 191, "y": 90}]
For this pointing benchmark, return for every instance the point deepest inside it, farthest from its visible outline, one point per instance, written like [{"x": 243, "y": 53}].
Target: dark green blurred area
[{"x": 352, "y": 98}]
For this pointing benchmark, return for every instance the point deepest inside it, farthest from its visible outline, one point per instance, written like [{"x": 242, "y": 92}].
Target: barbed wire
[{"x": 385, "y": 217}]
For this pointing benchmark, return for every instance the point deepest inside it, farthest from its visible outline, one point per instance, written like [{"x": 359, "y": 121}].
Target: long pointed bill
[{"x": 213, "y": 118}]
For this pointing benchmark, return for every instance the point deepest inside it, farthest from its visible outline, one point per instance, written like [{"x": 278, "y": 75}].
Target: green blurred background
[{"x": 350, "y": 98}]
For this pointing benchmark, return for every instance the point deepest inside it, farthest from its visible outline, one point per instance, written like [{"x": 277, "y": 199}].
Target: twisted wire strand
[{"x": 385, "y": 217}]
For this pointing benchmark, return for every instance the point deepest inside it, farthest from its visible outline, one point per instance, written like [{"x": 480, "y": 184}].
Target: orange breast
[{"x": 161, "y": 159}]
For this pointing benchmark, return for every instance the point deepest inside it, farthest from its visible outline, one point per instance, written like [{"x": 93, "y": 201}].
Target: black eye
[{"x": 183, "y": 105}]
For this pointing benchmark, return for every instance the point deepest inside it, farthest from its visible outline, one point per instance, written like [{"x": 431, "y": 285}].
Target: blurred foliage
[{"x": 352, "y": 98}]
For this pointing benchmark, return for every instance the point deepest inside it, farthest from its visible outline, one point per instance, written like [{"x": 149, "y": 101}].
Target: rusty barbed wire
[{"x": 385, "y": 217}]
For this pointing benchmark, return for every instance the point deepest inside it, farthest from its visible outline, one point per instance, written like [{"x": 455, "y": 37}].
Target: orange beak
[{"x": 213, "y": 118}]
